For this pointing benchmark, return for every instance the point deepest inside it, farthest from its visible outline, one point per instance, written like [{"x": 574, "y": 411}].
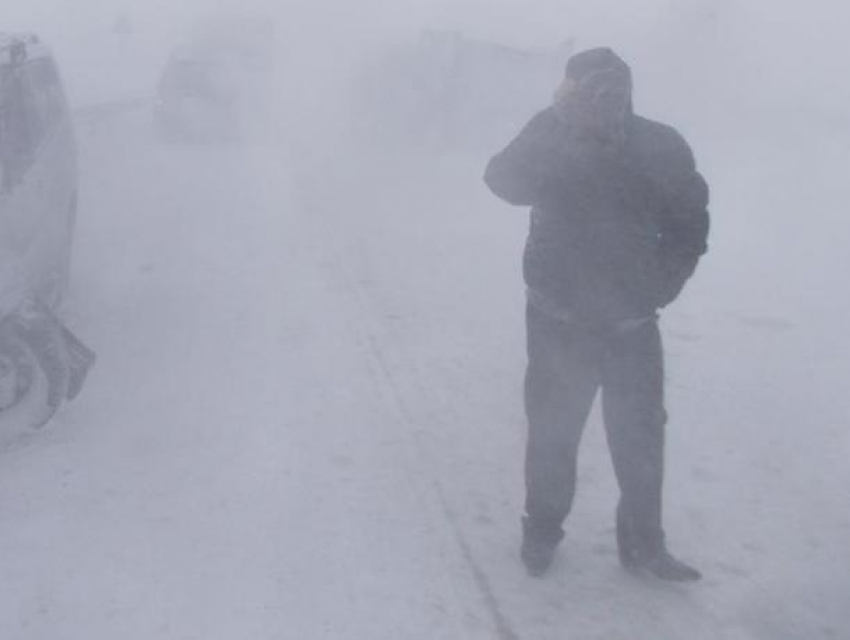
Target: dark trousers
[{"x": 567, "y": 364}]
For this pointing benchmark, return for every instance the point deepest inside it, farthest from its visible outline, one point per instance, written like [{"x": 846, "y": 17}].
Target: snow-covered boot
[
  {"x": 661, "y": 563},
  {"x": 539, "y": 542},
  {"x": 654, "y": 558},
  {"x": 665, "y": 566}
]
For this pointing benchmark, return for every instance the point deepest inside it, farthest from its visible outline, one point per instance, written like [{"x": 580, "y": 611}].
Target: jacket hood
[
  {"x": 584, "y": 64},
  {"x": 599, "y": 59}
]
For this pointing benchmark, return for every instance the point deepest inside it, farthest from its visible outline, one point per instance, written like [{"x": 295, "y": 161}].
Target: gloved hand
[{"x": 595, "y": 107}]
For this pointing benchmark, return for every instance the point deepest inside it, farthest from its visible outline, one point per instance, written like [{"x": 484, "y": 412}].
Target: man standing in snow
[{"x": 618, "y": 223}]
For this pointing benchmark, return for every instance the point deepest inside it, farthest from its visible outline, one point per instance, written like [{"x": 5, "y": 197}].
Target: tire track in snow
[
  {"x": 503, "y": 626},
  {"x": 363, "y": 323}
]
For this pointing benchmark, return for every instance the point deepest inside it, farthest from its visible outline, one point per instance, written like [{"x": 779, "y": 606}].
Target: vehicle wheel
[{"x": 30, "y": 406}]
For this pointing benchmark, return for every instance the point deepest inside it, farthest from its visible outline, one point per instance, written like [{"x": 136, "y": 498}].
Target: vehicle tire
[{"x": 31, "y": 407}]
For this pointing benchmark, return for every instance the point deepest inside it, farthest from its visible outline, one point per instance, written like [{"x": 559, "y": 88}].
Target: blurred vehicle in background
[
  {"x": 42, "y": 363},
  {"x": 219, "y": 87},
  {"x": 447, "y": 89},
  {"x": 195, "y": 99}
]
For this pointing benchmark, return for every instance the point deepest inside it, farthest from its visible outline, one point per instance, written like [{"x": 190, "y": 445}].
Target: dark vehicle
[
  {"x": 42, "y": 363},
  {"x": 38, "y": 166},
  {"x": 196, "y": 99}
]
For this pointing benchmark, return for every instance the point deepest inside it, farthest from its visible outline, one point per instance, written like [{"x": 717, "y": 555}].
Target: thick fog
[{"x": 306, "y": 418}]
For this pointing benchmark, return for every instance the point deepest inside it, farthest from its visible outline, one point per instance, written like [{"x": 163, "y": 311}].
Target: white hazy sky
[{"x": 759, "y": 63}]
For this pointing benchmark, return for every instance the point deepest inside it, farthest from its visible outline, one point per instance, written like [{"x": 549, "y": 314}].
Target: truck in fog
[
  {"x": 218, "y": 86},
  {"x": 42, "y": 364},
  {"x": 38, "y": 166}
]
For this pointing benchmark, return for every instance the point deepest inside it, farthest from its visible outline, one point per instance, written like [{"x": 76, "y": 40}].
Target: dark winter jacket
[{"x": 611, "y": 237}]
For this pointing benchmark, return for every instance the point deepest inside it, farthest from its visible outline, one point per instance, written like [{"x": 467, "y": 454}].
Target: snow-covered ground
[{"x": 306, "y": 423}]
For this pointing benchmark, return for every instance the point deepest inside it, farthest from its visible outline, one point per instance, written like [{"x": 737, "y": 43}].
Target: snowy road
[{"x": 305, "y": 422}]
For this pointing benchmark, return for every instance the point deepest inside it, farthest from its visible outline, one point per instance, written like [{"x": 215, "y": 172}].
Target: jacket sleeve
[
  {"x": 529, "y": 171},
  {"x": 685, "y": 224}
]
